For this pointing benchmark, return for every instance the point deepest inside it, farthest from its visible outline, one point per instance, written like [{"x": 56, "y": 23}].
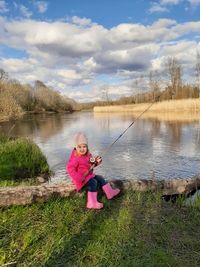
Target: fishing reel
[{"x": 94, "y": 160}]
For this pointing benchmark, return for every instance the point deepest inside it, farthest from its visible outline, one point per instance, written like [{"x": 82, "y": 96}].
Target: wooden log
[
  {"x": 23, "y": 195},
  {"x": 165, "y": 187}
]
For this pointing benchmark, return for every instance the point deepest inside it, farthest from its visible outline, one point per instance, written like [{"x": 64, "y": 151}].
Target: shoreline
[
  {"x": 7, "y": 118},
  {"x": 159, "y": 116}
]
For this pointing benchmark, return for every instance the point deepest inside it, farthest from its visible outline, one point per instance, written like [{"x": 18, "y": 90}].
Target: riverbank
[
  {"x": 5, "y": 118},
  {"x": 179, "y": 106},
  {"x": 20, "y": 160},
  {"x": 136, "y": 229}
]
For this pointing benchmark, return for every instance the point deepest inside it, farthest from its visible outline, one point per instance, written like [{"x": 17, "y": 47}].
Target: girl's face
[{"x": 82, "y": 149}]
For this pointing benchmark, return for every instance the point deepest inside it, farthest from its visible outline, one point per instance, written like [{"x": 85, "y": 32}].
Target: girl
[{"x": 82, "y": 176}]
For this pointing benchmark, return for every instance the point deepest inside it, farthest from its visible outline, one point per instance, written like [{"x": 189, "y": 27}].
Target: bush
[{"x": 20, "y": 158}]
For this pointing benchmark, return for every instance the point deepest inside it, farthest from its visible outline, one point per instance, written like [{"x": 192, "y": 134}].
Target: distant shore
[{"x": 183, "y": 106}]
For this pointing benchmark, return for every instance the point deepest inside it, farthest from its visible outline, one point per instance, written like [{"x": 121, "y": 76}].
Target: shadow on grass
[
  {"x": 73, "y": 250},
  {"x": 162, "y": 234}
]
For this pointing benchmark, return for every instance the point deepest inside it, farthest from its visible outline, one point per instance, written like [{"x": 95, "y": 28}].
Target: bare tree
[
  {"x": 135, "y": 85},
  {"x": 139, "y": 86},
  {"x": 105, "y": 94},
  {"x": 154, "y": 84},
  {"x": 197, "y": 70},
  {"x": 174, "y": 71},
  {"x": 39, "y": 84},
  {"x": 14, "y": 81},
  {"x": 3, "y": 75}
]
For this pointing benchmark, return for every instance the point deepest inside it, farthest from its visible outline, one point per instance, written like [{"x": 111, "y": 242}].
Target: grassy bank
[
  {"x": 183, "y": 106},
  {"x": 135, "y": 229},
  {"x": 21, "y": 182},
  {"x": 20, "y": 159}
]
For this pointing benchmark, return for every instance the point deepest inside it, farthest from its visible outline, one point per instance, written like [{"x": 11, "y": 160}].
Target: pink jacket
[{"x": 77, "y": 166}]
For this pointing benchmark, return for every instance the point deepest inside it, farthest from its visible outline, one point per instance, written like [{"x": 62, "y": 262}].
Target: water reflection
[
  {"x": 153, "y": 146},
  {"x": 161, "y": 116},
  {"x": 43, "y": 125}
]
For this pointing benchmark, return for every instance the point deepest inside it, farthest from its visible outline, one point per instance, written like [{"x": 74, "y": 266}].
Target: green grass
[
  {"x": 20, "y": 159},
  {"x": 136, "y": 230},
  {"x": 24, "y": 182}
]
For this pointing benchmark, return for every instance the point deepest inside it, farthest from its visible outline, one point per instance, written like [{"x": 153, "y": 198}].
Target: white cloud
[
  {"x": 69, "y": 74},
  {"x": 114, "y": 91},
  {"x": 194, "y": 3},
  {"x": 164, "y": 23},
  {"x": 72, "y": 56},
  {"x": 41, "y": 6},
  {"x": 81, "y": 21},
  {"x": 25, "y": 70},
  {"x": 163, "y": 5},
  {"x": 187, "y": 28},
  {"x": 82, "y": 96},
  {"x": 119, "y": 90},
  {"x": 178, "y": 50},
  {"x": 90, "y": 64},
  {"x": 132, "y": 35},
  {"x": 160, "y": 6},
  {"x": 50, "y": 41},
  {"x": 25, "y": 11},
  {"x": 170, "y": 2},
  {"x": 137, "y": 58},
  {"x": 3, "y": 7},
  {"x": 157, "y": 8},
  {"x": 72, "y": 77}
]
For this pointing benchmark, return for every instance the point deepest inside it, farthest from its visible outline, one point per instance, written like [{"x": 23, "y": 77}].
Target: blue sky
[{"x": 81, "y": 47}]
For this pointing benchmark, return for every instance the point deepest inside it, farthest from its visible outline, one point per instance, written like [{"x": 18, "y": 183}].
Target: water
[{"x": 150, "y": 148}]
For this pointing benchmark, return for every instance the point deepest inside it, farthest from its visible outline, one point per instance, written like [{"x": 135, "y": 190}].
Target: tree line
[
  {"x": 17, "y": 98},
  {"x": 157, "y": 88}
]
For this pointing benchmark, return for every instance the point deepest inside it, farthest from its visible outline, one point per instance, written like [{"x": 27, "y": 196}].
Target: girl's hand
[{"x": 98, "y": 160}]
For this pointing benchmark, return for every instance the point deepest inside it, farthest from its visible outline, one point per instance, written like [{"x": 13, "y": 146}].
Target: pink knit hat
[{"x": 79, "y": 139}]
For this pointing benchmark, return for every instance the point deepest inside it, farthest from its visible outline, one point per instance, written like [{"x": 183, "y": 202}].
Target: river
[{"x": 151, "y": 148}]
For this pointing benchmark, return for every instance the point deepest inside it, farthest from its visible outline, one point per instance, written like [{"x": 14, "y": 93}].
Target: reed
[
  {"x": 160, "y": 116},
  {"x": 184, "y": 105}
]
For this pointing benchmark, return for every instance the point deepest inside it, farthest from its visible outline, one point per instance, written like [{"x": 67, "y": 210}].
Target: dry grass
[
  {"x": 9, "y": 108},
  {"x": 183, "y": 106},
  {"x": 161, "y": 116}
]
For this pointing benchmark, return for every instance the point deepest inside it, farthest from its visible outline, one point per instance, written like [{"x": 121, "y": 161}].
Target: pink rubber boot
[
  {"x": 110, "y": 193},
  {"x": 92, "y": 202}
]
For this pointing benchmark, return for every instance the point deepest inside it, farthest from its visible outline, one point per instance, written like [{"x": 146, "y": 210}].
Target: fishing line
[{"x": 109, "y": 147}]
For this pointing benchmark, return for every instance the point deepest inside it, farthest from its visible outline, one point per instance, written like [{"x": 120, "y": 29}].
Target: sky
[{"x": 84, "y": 47}]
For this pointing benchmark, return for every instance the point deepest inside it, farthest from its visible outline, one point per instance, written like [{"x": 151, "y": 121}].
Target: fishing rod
[
  {"x": 94, "y": 163},
  {"x": 109, "y": 147}
]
